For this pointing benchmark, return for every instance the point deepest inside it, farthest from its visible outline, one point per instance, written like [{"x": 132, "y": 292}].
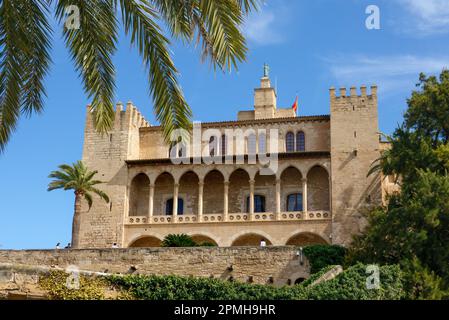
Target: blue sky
[{"x": 309, "y": 45}]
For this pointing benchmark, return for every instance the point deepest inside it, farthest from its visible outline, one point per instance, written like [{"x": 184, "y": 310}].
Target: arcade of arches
[{"x": 238, "y": 196}]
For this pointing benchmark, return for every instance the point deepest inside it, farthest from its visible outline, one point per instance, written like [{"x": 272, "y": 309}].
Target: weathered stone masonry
[
  {"x": 323, "y": 166},
  {"x": 271, "y": 265}
]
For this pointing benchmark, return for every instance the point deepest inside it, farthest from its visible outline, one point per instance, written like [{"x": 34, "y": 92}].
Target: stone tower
[
  {"x": 354, "y": 147},
  {"x": 264, "y": 99},
  {"x": 102, "y": 225}
]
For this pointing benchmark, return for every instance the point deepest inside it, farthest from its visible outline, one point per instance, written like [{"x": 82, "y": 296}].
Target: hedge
[
  {"x": 349, "y": 285},
  {"x": 321, "y": 256}
]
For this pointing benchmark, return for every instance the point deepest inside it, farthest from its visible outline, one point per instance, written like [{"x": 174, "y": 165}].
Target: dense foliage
[
  {"x": 183, "y": 240},
  {"x": 55, "y": 284},
  {"x": 351, "y": 284},
  {"x": 321, "y": 256},
  {"x": 178, "y": 240},
  {"x": 413, "y": 230}
]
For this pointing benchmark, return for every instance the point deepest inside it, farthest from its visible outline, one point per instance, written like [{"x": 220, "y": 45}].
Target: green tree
[
  {"x": 79, "y": 179},
  {"x": 25, "y": 44},
  {"x": 413, "y": 229},
  {"x": 178, "y": 240}
]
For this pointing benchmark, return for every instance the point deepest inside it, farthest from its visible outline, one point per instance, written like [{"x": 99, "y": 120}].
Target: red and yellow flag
[{"x": 295, "y": 105}]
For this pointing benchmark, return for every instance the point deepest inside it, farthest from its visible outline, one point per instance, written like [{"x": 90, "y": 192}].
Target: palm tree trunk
[{"x": 76, "y": 224}]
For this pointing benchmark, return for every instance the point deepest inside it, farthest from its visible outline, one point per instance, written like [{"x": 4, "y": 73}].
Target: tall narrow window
[
  {"x": 300, "y": 142},
  {"x": 290, "y": 142},
  {"x": 294, "y": 202},
  {"x": 252, "y": 144},
  {"x": 224, "y": 145},
  {"x": 213, "y": 146},
  {"x": 262, "y": 143},
  {"x": 259, "y": 204},
  {"x": 169, "y": 207}
]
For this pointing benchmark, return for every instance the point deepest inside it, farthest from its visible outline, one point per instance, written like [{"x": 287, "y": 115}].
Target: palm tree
[
  {"x": 78, "y": 178},
  {"x": 25, "y": 44}
]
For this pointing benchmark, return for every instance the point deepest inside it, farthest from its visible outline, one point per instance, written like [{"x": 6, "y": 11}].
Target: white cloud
[
  {"x": 396, "y": 73},
  {"x": 426, "y": 16},
  {"x": 262, "y": 28}
]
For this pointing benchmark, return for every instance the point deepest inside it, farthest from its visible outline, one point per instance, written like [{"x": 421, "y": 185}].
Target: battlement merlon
[
  {"x": 353, "y": 92},
  {"x": 124, "y": 117}
]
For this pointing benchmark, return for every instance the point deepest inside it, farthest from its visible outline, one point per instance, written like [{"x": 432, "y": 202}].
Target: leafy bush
[
  {"x": 321, "y": 256},
  {"x": 188, "y": 288},
  {"x": 350, "y": 284},
  {"x": 178, "y": 240},
  {"x": 316, "y": 276},
  {"x": 55, "y": 284}
]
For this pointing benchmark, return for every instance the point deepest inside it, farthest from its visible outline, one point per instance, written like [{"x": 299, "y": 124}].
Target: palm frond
[
  {"x": 223, "y": 42},
  {"x": 249, "y": 5},
  {"x": 12, "y": 35},
  {"x": 57, "y": 184},
  {"x": 89, "y": 199},
  {"x": 101, "y": 194},
  {"x": 171, "y": 109},
  {"x": 37, "y": 58},
  {"x": 76, "y": 177},
  {"x": 92, "y": 47}
]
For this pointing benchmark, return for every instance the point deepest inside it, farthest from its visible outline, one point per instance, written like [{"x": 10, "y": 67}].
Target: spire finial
[{"x": 266, "y": 70}]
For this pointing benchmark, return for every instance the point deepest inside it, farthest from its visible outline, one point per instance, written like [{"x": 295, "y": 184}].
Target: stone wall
[{"x": 276, "y": 265}]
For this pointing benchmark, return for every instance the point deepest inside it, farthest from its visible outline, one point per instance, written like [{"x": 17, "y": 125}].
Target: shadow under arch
[
  {"x": 146, "y": 242},
  {"x": 201, "y": 239},
  {"x": 250, "y": 239},
  {"x": 139, "y": 195},
  {"x": 305, "y": 239}
]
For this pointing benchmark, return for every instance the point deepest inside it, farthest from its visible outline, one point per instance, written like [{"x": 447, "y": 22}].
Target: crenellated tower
[
  {"x": 106, "y": 153},
  {"x": 354, "y": 147}
]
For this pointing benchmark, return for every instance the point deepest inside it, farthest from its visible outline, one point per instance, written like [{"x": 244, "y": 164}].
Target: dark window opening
[
  {"x": 259, "y": 204},
  {"x": 294, "y": 202},
  {"x": 290, "y": 142},
  {"x": 169, "y": 207},
  {"x": 300, "y": 142}
]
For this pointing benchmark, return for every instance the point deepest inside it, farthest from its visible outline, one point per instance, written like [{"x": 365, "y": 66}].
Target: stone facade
[
  {"x": 276, "y": 265},
  {"x": 316, "y": 193}
]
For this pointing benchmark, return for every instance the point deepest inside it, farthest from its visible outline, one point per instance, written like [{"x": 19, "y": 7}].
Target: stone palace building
[{"x": 316, "y": 194}]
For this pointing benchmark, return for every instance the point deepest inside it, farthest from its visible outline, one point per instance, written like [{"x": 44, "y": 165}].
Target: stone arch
[
  {"x": 303, "y": 239},
  {"x": 213, "y": 199},
  {"x": 145, "y": 242},
  {"x": 286, "y": 166},
  {"x": 139, "y": 195},
  {"x": 238, "y": 190},
  {"x": 135, "y": 174},
  {"x": 188, "y": 191},
  {"x": 320, "y": 165},
  {"x": 250, "y": 239},
  {"x": 202, "y": 238},
  {"x": 163, "y": 191},
  {"x": 318, "y": 191}
]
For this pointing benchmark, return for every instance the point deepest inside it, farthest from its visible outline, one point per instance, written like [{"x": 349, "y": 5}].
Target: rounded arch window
[
  {"x": 290, "y": 142},
  {"x": 300, "y": 141}
]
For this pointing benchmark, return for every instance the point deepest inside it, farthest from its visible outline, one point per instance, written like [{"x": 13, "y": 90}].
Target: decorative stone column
[
  {"x": 278, "y": 199},
  {"x": 251, "y": 199},
  {"x": 200, "y": 200},
  {"x": 304, "y": 198},
  {"x": 151, "y": 203},
  {"x": 175, "y": 202},
  {"x": 225, "y": 201}
]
